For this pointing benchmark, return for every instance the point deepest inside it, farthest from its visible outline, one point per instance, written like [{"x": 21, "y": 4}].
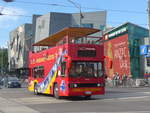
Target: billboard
[
  {"x": 118, "y": 51},
  {"x": 145, "y": 50}
]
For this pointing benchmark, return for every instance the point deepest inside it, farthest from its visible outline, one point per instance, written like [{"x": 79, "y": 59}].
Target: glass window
[
  {"x": 86, "y": 69},
  {"x": 148, "y": 61},
  {"x": 38, "y": 72},
  {"x": 88, "y": 25},
  {"x": 102, "y": 27}
]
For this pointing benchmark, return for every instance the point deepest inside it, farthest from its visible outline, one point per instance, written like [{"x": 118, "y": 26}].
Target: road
[{"x": 116, "y": 100}]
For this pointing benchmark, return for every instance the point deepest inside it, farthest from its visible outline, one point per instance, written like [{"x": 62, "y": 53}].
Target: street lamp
[{"x": 79, "y": 7}]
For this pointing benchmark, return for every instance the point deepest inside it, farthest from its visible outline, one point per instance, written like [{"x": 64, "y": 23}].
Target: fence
[{"x": 128, "y": 83}]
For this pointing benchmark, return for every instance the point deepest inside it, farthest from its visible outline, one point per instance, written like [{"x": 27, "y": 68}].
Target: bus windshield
[{"x": 86, "y": 69}]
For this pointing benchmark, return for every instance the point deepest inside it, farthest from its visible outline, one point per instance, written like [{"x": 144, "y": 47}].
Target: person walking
[{"x": 124, "y": 80}]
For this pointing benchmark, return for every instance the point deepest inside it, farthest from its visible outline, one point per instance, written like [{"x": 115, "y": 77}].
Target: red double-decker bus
[{"x": 71, "y": 66}]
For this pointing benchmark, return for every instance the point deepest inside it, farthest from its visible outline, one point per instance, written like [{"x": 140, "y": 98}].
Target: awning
[{"x": 71, "y": 32}]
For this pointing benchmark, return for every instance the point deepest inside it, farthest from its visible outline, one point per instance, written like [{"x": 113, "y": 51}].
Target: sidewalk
[{"x": 133, "y": 83}]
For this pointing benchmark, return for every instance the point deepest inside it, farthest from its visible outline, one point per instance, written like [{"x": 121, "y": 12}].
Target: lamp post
[{"x": 79, "y": 7}]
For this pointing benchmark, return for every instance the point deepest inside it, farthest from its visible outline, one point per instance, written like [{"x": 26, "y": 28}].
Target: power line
[
  {"x": 41, "y": 3},
  {"x": 110, "y": 22},
  {"x": 112, "y": 10},
  {"x": 3, "y": 14}
]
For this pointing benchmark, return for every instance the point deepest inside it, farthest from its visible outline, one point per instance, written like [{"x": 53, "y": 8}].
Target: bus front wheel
[
  {"x": 56, "y": 91},
  {"x": 36, "y": 90}
]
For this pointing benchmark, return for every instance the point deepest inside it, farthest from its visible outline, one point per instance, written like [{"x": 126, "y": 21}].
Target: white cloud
[{"x": 9, "y": 18}]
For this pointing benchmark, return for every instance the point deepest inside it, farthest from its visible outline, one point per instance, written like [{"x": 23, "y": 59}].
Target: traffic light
[{"x": 8, "y": 0}]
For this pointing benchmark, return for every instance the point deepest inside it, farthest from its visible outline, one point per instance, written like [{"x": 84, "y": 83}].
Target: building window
[
  {"x": 43, "y": 24},
  {"x": 102, "y": 27},
  {"x": 148, "y": 61},
  {"x": 87, "y": 25},
  {"x": 38, "y": 72}
]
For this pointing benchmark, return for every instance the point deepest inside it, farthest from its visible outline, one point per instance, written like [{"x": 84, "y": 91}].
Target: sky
[{"x": 118, "y": 12}]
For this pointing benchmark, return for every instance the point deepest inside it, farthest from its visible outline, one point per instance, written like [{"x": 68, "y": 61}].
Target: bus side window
[
  {"x": 41, "y": 72},
  {"x": 63, "y": 69},
  {"x": 38, "y": 72},
  {"x": 34, "y": 72}
]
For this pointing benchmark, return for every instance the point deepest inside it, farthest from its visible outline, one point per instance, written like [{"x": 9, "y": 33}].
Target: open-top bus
[{"x": 71, "y": 66}]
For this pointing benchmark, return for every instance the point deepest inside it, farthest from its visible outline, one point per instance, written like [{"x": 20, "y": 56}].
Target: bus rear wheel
[
  {"x": 36, "y": 90},
  {"x": 56, "y": 92}
]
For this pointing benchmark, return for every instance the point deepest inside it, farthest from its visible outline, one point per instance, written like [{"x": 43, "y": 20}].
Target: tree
[{"x": 3, "y": 60}]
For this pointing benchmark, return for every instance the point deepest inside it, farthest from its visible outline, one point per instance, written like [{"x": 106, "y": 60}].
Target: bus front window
[{"x": 86, "y": 69}]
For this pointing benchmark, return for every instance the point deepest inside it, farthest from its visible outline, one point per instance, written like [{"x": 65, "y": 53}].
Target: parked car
[
  {"x": 13, "y": 82},
  {"x": 1, "y": 82}
]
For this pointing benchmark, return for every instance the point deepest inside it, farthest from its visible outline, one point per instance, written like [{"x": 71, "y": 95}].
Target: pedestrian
[
  {"x": 114, "y": 79},
  {"x": 117, "y": 79},
  {"x": 124, "y": 80}
]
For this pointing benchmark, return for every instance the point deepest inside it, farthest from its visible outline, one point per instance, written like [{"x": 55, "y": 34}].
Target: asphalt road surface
[{"x": 116, "y": 100}]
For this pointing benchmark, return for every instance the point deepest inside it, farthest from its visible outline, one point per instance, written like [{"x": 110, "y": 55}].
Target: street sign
[{"x": 143, "y": 50}]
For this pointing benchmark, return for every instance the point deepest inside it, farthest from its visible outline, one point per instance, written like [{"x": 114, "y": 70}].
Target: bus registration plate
[{"x": 88, "y": 92}]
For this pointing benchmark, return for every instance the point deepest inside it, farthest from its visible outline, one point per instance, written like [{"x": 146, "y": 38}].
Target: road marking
[
  {"x": 115, "y": 112},
  {"x": 7, "y": 106},
  {"x": 50, "y": 100},
  {"x": 38, "y": 100}
]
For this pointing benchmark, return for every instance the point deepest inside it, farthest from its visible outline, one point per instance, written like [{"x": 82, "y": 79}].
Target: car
[
  {"x": 1, "y": 81},
  {"x": 13, "y": 82}
]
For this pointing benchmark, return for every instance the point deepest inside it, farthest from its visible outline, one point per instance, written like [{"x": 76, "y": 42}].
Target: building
[
  {"x": 145, "y": 56},
  {"x": 19, "y": 45},
  {"x": 52, "y": 22},
  {"x": 122, "y": 48}
]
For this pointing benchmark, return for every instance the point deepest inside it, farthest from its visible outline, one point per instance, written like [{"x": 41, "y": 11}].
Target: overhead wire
[
  {"x": 55, "y": 4},
  {"x": 61, "y": 5}
]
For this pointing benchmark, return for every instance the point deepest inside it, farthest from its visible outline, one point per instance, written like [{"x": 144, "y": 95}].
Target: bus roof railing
[{"x": 71, "y": 32}]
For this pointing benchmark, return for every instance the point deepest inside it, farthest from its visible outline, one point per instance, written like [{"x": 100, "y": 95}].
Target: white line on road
[
  {"x": 7, "y": 106},
  {"x": 115, "y": 112},
  {"x": 38, "y": 100}
]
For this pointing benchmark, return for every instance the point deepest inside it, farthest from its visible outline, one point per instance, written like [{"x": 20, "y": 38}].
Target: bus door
[{"x": 62, "y": 79}]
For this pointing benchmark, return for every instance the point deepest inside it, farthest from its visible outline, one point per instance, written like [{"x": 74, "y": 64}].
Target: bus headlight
[
  {"x": 75, "y": 85},
  {"x": 98, "y": 85},
  {"x": 101, "y": 85}
]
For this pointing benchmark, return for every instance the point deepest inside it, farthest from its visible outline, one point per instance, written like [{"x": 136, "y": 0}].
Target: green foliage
[{"x": 3, "y": 59}]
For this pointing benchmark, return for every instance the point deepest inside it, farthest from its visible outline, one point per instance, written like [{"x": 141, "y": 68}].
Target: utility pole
[{"x": 79, "y": 7}]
